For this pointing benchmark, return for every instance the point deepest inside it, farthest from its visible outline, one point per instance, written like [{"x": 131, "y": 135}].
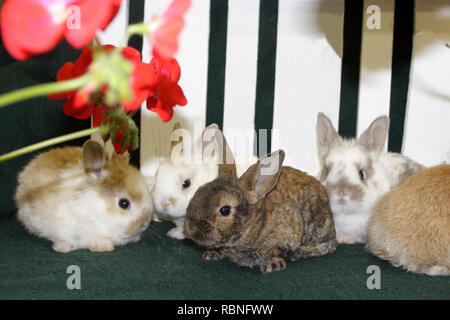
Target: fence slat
[
  {"x": 350, "y": 71},
  {"x": 116, "y": 30},
  {"x": 193, "y": 59},
  {"x": 427, "y": 129},
  {"x": 240, "y": 82},
  {"x": 308, "y": 76},
  {"x": 376, "y": 61}
]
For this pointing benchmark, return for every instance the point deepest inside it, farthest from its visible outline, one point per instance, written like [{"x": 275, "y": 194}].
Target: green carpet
[{"x": 158, "y": 267}]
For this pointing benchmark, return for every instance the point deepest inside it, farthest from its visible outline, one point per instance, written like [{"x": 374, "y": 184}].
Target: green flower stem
[
  {"x": 138, "y": 28},
  {"x": 43, "y": 89},
  {"x": 49, "y": 142}
]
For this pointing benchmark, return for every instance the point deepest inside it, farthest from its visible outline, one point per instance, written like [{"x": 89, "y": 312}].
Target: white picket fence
[{"x": 308, "y": 75}]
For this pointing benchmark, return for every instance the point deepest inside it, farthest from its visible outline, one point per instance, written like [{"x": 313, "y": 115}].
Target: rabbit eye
[
  {"x": 186, "y": 183},
  {"x": 224, "y": 211},
  {"x": 125, "y": 204},
  {"x": 362, "y": 175}
]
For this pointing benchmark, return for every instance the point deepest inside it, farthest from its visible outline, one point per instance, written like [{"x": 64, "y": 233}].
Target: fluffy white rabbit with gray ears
[
  {"x": 356, "y": 173},
  {"x": 179, "y": 176}
]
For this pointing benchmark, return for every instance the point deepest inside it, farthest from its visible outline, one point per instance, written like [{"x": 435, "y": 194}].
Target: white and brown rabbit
[
  {"x": 176, "y": 181},
  {"x": 356, "y": 173},
  {"x": 79, "y": 198},
  {"x": 268, "y": 215},
  {"x": 410, "y": 225}
]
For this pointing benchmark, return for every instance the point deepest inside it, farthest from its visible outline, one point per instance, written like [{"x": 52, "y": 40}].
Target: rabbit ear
[
  {"x": 173, "y": 143},
  {"x": 263, "y": 176},
  {"x": 327, "y": 136},
  {"x": 227, "y": 166},
  {"x": 374, "y": 137},
  {"x": 93, "y": 157},
  {"x": 209, "y": 142}
]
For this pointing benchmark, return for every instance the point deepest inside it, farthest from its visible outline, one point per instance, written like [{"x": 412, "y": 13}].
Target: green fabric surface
[{"x": 164, "y": 268}]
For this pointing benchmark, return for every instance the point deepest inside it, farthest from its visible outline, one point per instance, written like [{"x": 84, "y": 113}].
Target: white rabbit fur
[
  {"x": 71, "y": 196},
  {"x": 356, "y": 173},
  {"x": 170, "y": 198}
]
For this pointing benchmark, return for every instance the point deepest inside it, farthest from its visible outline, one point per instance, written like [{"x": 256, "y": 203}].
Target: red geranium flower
[
  {"x": 83, "y": 103},
  {"x": 31, "y": 27},
  {"x": 165, "y": 93},
  {"x": 165, "y": 35},
  {"x": 118, "y": 145},
  {"x": 98, "y": 114}
]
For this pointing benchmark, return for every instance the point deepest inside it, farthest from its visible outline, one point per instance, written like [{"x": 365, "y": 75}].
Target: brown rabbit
[
  {"x": 269, "y": 215},
  {"x": 410, "y": 225}
]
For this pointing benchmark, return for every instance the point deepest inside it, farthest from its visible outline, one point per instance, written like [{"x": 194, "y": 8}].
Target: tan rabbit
[
  {"x": 410, "y": 226},
  {"x": 268, "y": 215},
  {"x": 78, "y": 198}
]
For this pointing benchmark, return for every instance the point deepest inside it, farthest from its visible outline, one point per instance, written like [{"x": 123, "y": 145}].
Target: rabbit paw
[
  {"x": 176, "y": 233},
  {"x": 212, "y": 255},
  {"x": 63, "y": 246},
  {"x": 348, "y": 238},
  {"x": 437, "y": 271},
  {"x": 101, "y": 245},
  {"x": 273, "y": 264}
]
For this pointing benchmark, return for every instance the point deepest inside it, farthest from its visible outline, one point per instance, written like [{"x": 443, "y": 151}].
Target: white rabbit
[
  {"x": 79, "y": 198},
  {"x": 176, "y": 183},
  {"x": 356, "y": 173}
]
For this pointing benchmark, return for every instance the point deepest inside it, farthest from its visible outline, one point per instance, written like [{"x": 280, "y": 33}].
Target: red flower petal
[
  {"x": 98, "y": 115},
  {"x": 83, "y": 62},
  {"x": 142, "y": 79},
  {"x": 117, "y": 144},
  {"x": 175, "y": 95},
  {"x": 94, "y": 14},
  {"x": 64, "y": 73},
  {"x": 115, "y": 6},
  {"x": 152, "y": 102},
  {"x": 165, "y": 37},
  {"x": 144, "y": 74},
  {"x": 82, "y": 112},
  {"x": 28, "y": 27},
  {"x": 165, "y": 113},
  {"x": 166, "y": 93},
  {"x": 132, "y": 54},
  {"x": 166, "y": 67},
  {"x": 176, "y": 10},
  {"x": 80, "y": 99}
]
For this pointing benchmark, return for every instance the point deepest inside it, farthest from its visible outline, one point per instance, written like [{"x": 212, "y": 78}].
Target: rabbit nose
[
  {"x": 164, "y": 203},
  {"x": 342, "y": 193}
]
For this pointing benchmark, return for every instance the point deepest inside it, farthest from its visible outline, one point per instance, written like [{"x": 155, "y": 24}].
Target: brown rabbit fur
[
  {"x": 270, "y": 218},
  {"x": 410, "y": 226}
]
